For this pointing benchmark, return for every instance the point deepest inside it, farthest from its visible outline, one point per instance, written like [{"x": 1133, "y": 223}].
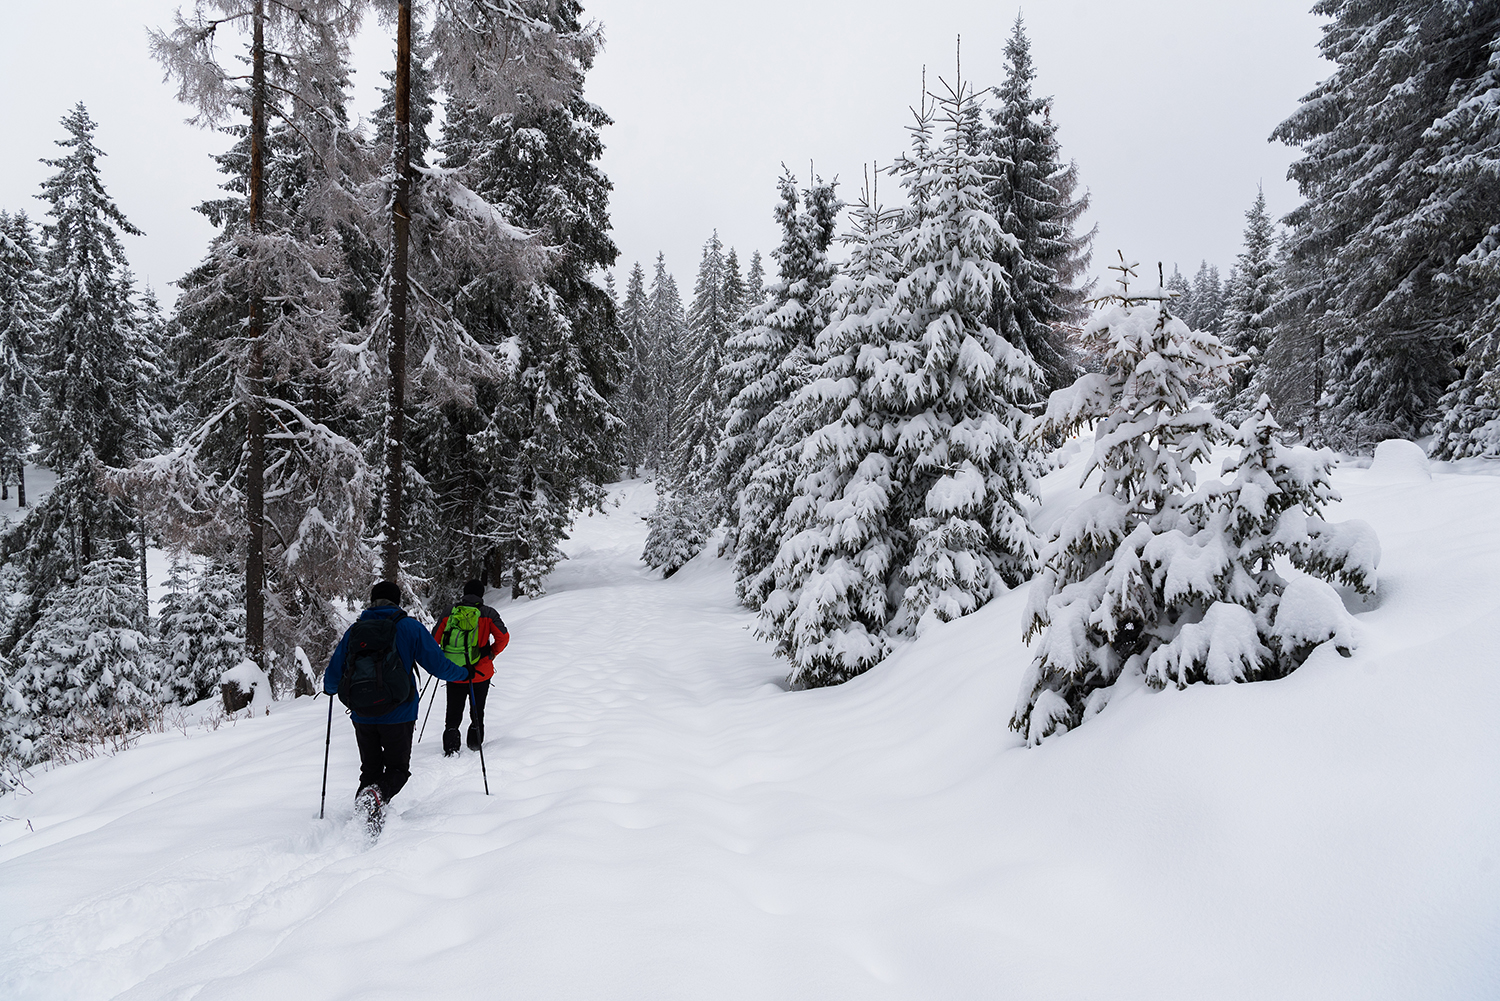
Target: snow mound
[{"x": 1400, "y": 461}]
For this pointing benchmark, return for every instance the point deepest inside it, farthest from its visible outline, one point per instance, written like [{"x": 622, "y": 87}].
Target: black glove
[
  {"x": 473, "y": 674},
  {"x": 487, "y": 651}
]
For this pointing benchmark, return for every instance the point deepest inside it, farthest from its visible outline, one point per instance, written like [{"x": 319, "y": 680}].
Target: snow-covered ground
[
  {"x": 39, "y": 483},
  {"x": 666, "y": 822}
]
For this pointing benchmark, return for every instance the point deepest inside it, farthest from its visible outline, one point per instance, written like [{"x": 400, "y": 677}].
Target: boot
[
  {"x": 369, "y": 806},
  {"x": 450, "y": 742},
  {"x": 476, "y": 735}
]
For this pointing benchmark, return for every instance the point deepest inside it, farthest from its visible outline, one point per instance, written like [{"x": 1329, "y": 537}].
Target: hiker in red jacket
[{"x": 471, "y": 633}]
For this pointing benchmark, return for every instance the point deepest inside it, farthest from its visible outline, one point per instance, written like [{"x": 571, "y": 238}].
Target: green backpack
[{"x": 460, "y": 634}]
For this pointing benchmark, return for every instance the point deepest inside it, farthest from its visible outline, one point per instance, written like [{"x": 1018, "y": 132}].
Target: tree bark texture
[
  {"x": 395, "y": 426},
  {"x": 255, "y": 429}
]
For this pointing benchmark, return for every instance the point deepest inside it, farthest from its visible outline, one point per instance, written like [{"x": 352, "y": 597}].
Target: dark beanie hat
[
  {"x": 386, "y": 590},
  {"x": 474, "y": 587}
]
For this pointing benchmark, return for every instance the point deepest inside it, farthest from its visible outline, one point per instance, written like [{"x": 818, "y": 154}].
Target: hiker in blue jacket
[{"x": 385, "y": 739}]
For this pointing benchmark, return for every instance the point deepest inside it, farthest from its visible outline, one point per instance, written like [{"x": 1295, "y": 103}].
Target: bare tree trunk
[
  {"x": 395, "y": 426},
  {"x": 21, "y": 483},
  {"x": 255, "y": 463},
  {"x": 140, "y": 510},
  {"x": 1317, "y": 407}
]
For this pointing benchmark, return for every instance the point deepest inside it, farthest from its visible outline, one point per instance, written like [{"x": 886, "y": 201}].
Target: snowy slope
[{"x": 667, "y": 822}]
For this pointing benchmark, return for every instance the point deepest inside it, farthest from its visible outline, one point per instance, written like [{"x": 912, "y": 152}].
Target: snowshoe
[
  {"x": 476, "y": 736},
  {"x": 369, "y": 807},
  {"x": 451, "y": 742}
]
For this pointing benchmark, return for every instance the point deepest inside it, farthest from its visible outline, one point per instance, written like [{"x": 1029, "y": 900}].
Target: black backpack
[{"x": 376, "y": 680}]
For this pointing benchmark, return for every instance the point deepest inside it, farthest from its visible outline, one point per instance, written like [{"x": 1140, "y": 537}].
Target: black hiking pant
[
  {"x": 458, "y": 697},
  {"x": 384, "y": 755}
]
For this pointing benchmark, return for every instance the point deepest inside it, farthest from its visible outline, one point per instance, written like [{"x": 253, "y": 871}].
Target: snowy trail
[{"x": 668, "y": 823}]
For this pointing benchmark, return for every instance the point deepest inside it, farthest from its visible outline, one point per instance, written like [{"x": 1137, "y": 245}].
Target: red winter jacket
[{"x": 489, "y": 638}]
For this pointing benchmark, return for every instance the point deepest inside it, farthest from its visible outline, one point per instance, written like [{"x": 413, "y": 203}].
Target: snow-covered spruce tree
[
  {"x": 87, "y": 367},
  {"x": 497, "y": 62},
  {"x": 684, "y": 511},
  {"x": 908, "y": 504},
  {"x": 1378, "y": 242},
  {"x": 87, "y": 669},
  {"x": 958, "y": 446},
  {"x": 846, "y": 527},
  {"x": 1235, "y": 617},
  {"x": 666, "y": 331},
  {"x": 755, "y": 282},
  {"x": 1094, "y": 602},
  {"x": 554, "y": 431},
  {"x": 1467, "y": 157},
  {"x": 1247, "y": 326},
  {"x": 1182, "y": 294},
  {"x": 1048, "y": 265},
  {"x": 709, "y": 321},
  {"x": 1204, "y": 306},
  {"x": 635, "y": 402},
  {"x": 21, "y": 331},
  {"x": 201, "y": 633},
  {"x": 766, "y": 363}
]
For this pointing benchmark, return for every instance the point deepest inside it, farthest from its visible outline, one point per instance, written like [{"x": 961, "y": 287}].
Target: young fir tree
[
  {"x": 1386, "y": 223},
  {"x": 1094, "y": 602},
  {"x": 1033, "y": 201},
  {"x": 21, "y": 330},
  {"x": 767, "y": 362},
  {"x": 87, "y": 666},
  {"x": 202, "y": 630},
  {"x": 908, "y": 506},
  {"x": 1247, "y": 325}
]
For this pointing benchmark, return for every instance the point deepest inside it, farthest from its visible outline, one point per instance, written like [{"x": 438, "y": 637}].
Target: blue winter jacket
[{"x": 415, "y": 645}]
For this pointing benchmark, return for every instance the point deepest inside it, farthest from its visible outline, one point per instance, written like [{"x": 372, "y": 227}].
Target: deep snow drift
[{"x": 667, "y": 822}]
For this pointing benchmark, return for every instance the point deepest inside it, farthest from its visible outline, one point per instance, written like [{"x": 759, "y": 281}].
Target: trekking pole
[
  {"x": 429, "y": 707},
  {"x": 473, "y": 713},
  {"x": 327, "y": 743}
]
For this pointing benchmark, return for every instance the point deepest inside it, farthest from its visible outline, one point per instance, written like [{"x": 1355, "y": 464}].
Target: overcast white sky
[{"x": 1165, "y": 104}]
